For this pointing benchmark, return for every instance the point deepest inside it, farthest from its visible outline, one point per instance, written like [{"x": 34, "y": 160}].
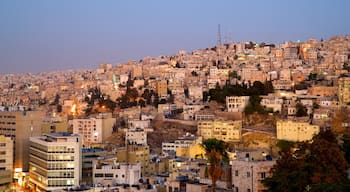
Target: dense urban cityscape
[{"x": 240, "y": 116}]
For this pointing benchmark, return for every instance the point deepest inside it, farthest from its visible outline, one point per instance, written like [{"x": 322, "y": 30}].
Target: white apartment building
[
  {"x": 296, "y": 131},
  {"x": 55, "y": 161},
  {"x": 190, "y": 110},
  {"x": 226, "y": 130},
  {"x": 136, "y": 136},
  {"x": 109, "y": 172},
  {"x": 183, "y": 142},
  {"x": 236, "y": 103},
  {"x": 272, "y": 102},
  {"x": 95, "y": 129},
  {"x": 6, "y": 162}
]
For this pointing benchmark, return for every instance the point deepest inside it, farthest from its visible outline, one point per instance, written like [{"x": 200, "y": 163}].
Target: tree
[
  {"x": 316, "y": 166},
  {"x": 301, "y": 110},
  {"x": 215, "y": 150},
  {"x": 254, "y": 105}
]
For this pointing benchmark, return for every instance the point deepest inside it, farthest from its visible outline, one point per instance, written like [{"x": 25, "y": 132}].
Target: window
[
  {"x": 248, "y": 174},
  {"x": 248, "y": 190},
  {"x": 236, "y": 173},
  {"x": 263, "y": 175},
  {"x": 98, "y": 174},
  {"x": 2, "y": 160},
  {"x": 109, "y": 175},
  {"x": 236, "y": 189}
]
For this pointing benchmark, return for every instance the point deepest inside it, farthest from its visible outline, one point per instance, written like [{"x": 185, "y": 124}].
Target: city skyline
[{"x": 40, "y": 36}]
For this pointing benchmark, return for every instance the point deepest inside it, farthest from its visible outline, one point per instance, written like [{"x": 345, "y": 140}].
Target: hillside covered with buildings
[{"x": 140, "y": 125}]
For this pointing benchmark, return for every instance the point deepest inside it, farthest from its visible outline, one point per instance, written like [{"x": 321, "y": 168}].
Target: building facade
[
  {"x": 20, "y": 125},
  {"x": 344, "y": 90},
  {"x": 226, "y": 130},
  {"x": 296, "y": 131},
  {"x": 109, "y": 172},
  {"x": 248, "y": 175},
  {"x": 236, "y": 103},
  {"x": 94, "y": 130},
  {"x": 55, "y": 161},
  {"x": 6, "y": 162}
]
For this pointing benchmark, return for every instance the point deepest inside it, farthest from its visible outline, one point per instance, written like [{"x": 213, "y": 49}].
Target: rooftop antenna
[{"x": 219, "y": 35}]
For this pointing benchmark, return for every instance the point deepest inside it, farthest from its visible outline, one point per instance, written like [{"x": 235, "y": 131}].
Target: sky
[{"x": 51, "y": 35}]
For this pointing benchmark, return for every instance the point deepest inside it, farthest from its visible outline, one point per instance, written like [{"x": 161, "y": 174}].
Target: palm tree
[{"x": 215, "y": 150}]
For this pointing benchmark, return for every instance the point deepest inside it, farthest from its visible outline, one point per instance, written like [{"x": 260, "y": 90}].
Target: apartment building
[
  {"x": 236, "y": 103},
  {"x": 135, "y": 154},
  {"x": 94, "y": 130},
  {"x": 247, "y": 175},
  {"x": 55, "y": 161},
  {"x": 110, "y": 172},
  {"x": 162, "y": 88},
  {"x": 226, "y": 130},
  {"x": 296, "y": 131},
  {"x": 344, "y": 90},
  {"x": 20, "y": 125},
  {"x": 6, "y": 162}
]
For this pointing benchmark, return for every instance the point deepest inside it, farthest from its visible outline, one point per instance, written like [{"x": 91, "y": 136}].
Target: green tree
[
  {"x": 316, "y": 166},
  {"x": 301, "y": 110},
  {"x": 215, "y": 151}
]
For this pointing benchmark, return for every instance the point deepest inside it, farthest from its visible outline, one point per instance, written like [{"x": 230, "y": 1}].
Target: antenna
[{"x": 219, "y": 35}]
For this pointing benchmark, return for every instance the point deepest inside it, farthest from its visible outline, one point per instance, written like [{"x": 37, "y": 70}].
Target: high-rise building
[
  {"x": 55, "y": 161},
  {"x": 6, "y": 162},
  {"x": 20, "y": 125}
]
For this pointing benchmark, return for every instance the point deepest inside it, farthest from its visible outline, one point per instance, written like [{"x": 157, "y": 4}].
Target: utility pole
[{"x": 219, "y": 36}]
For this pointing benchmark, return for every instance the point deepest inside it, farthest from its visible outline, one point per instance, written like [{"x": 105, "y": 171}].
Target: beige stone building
[
  {"x": 136, "y": 154},
  {"x": 236, "y": 103},
  {"x": 344, "y": 90},
  {"x": 94, "y": 130},
  {"x": 6, "y": 162},
  {"x": 20, "y": 125},
  {"x": 226, "y": 130},
  {"x": 248, "y": 175},
  {"x": 162, "y": 88},
  {"x": 296, "y": 131}
]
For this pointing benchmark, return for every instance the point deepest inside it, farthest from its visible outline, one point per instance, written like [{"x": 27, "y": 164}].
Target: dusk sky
[{"x": 50, "y": 35}]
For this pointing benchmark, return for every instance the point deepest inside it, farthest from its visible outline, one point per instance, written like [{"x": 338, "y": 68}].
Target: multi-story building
[
  {"x": 236, "y": 103},
  {"x": 136, "y": 136},
  {"x": 296, "y": 131},
  {"x": 20, "y": 125},
  {"x": 273, "y": 102},
  {"x": 94, "y": 130},
  {"x": 226, "y": 130},
  {"x": 247, "y": 175},
  {"x": 344, "y": 90},
  {"x": 6, "y": 162},
  {"x": 182, "y": 142},
  {"x": 55, "y": 161},
  {"x": 135, "y": 154},
  {"x": 109, "y": 172},
  {"x": 162, "y": 88}
]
